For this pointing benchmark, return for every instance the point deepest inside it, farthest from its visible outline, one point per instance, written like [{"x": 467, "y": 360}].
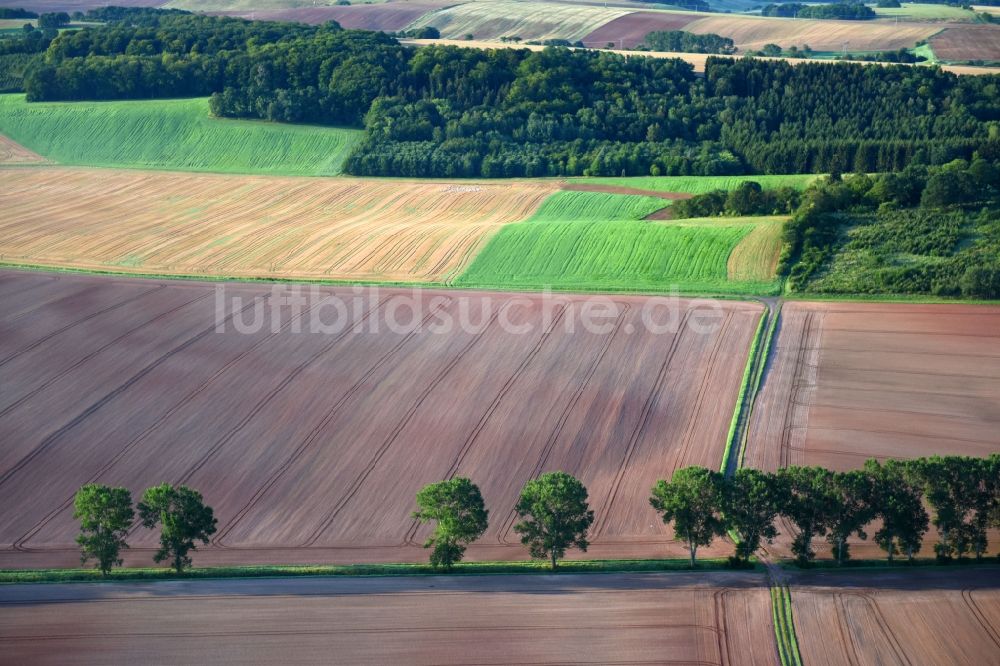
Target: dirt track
[
  {"x": 926, "y": 617},
  {"x": 311, "y": 446},
  {"x": 606, "y": 619}
]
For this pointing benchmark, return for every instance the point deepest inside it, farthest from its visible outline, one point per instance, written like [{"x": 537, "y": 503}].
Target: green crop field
[
  {"x": 701, "y": 184},
  {"x": 692, "y": 255},
  {"x": 573, "y": 206},
  {"x": 171, "y": 134}
]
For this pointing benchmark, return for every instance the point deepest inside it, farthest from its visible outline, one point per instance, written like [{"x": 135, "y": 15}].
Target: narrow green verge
[
  {"x": 740, "y": 399},
  {"x": 765, "y": 352},
  {"x": 784, "y": 626},
  {"x": 399, "y": 569}
]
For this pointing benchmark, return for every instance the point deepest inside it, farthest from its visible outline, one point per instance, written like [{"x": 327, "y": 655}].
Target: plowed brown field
[
  {"x": 311, "y": 446},
  {"x": 968, "y": 42},
  {"x": 612, "y": 619},
  {"x": 930, "y": 618},
  {"x": 851, "y": 381},
  {"x": 388, "y": 17},
  {"x": 630, "y": 30},
  {"x": 243, "y": 226}
]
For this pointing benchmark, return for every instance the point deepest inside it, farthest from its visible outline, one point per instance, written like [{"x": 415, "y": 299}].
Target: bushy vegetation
[
  {"x": 445, "y": 111},
  {"x": 920, "y": 231},
  {"x": 748, "y": 198},
  {"x": 687, "y": 42},
  {"x": 174, "y": 134},
  {"x": 16, "y": 13},
  {"x": 703, "y": 184}
]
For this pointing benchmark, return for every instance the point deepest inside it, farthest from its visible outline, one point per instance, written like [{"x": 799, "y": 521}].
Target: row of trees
[
  {"x": 446, "y": 111},
  {"x": 688, "y": 42},
  {"x": 703, "y": 505},
  {"x": 848, "y": 11},
  {"x": 107, "y": 517}
]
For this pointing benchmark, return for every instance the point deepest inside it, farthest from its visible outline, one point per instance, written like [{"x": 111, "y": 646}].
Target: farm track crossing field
[
  {"x": 696, "y": 256},
  {"x": 310, "y": 439},
  {"x": 607, "y": 619},
  {"x": 753, "y": 32},
  {"x": 171, "y": 134},
  {"x": 527, "y": 20},
  {"x": 851, "y": 381},
  {"x": 926, "y": 617},
  {"x": 203, "y": 224}
]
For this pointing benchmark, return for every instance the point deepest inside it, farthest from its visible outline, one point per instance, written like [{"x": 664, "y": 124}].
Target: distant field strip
[
  {"x": 691, "y": 255},
  {"x": 596, "y": 207},
  {"x": 749, "y": 32},
  {"x": 527, "y": 20},
  {"x": 202, "y": 224},
  {"x": 701, "y": 184},
  {"x": 171, "y": 134}
]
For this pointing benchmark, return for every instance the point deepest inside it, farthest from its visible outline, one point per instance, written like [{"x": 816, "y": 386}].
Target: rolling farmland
[
  {"x": 701, "y": 256},
  {"x": 613, "y": 619},
  {"x": 630, "y": 30},
  {"x": 310, "y": 440},
  {"x": 203, "y": 224},
  {"x": 386, "y": 16},
  {"x": 527, "y": 20},
  {"x": 932, "y": 618},
  {"x": 171, "y": 134},
  {"x": 753, "y": 32}
]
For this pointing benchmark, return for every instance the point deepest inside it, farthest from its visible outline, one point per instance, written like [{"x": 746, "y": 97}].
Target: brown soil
[
  {"x": 612, "y": 619},
  {"x": 967, "y": 42},
  {"x": 311, "y": 447},
  {"x": 917, "y": 617},
  {"x": 388, "y": 17},
  {"x": 852, "y": 381},
  {"x": 631, "y": 30}
]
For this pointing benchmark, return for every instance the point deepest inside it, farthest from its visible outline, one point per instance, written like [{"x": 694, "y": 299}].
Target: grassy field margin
[
  {"x": 741, "y": 398},
  {"x": 758, "y": 378},
  {"x": 784, "y": 626},
  {"x": 14, "y": 576}
]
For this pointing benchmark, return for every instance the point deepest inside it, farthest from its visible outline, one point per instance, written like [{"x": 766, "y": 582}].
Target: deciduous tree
[
  {"x": 555, "y": 516},
  {"x": 183, "y": 519},
  {"x": 898, "y": 503},
  {"x": 105, "y": 515},
  {"x": 750, "y": 504},
  {"x": 461, "y": 515},
  {"x": 692, "y": 500}
]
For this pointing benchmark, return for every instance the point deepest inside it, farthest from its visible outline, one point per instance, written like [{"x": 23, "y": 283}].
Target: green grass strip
[
  {"x": 784, "y": 626},
  {"x": 400, "y": 569},
  {"x": 765, "y": 352},
  {"x": 744, "y": 385}
]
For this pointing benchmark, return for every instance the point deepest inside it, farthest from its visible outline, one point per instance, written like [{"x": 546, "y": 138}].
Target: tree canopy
[{"x": 555, "y": 516}]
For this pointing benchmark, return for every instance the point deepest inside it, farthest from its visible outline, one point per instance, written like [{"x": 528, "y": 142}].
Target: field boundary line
[{"x": 784, "y": 625}]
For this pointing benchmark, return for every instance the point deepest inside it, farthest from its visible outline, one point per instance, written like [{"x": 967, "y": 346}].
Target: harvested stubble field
[
  {"x": 852, "y": 381},
  {"x": 203, "y": 224},
  {"x": 928, "y": 617},
  {"x": 753, "y": 32},
  {"x": 311, "y": 446},
  {"x": 607, "y": 619},
  {"x": 527, "y": 20},
  {"x": 968, "y": 42},
  {"x": 12, "y": 152}
]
